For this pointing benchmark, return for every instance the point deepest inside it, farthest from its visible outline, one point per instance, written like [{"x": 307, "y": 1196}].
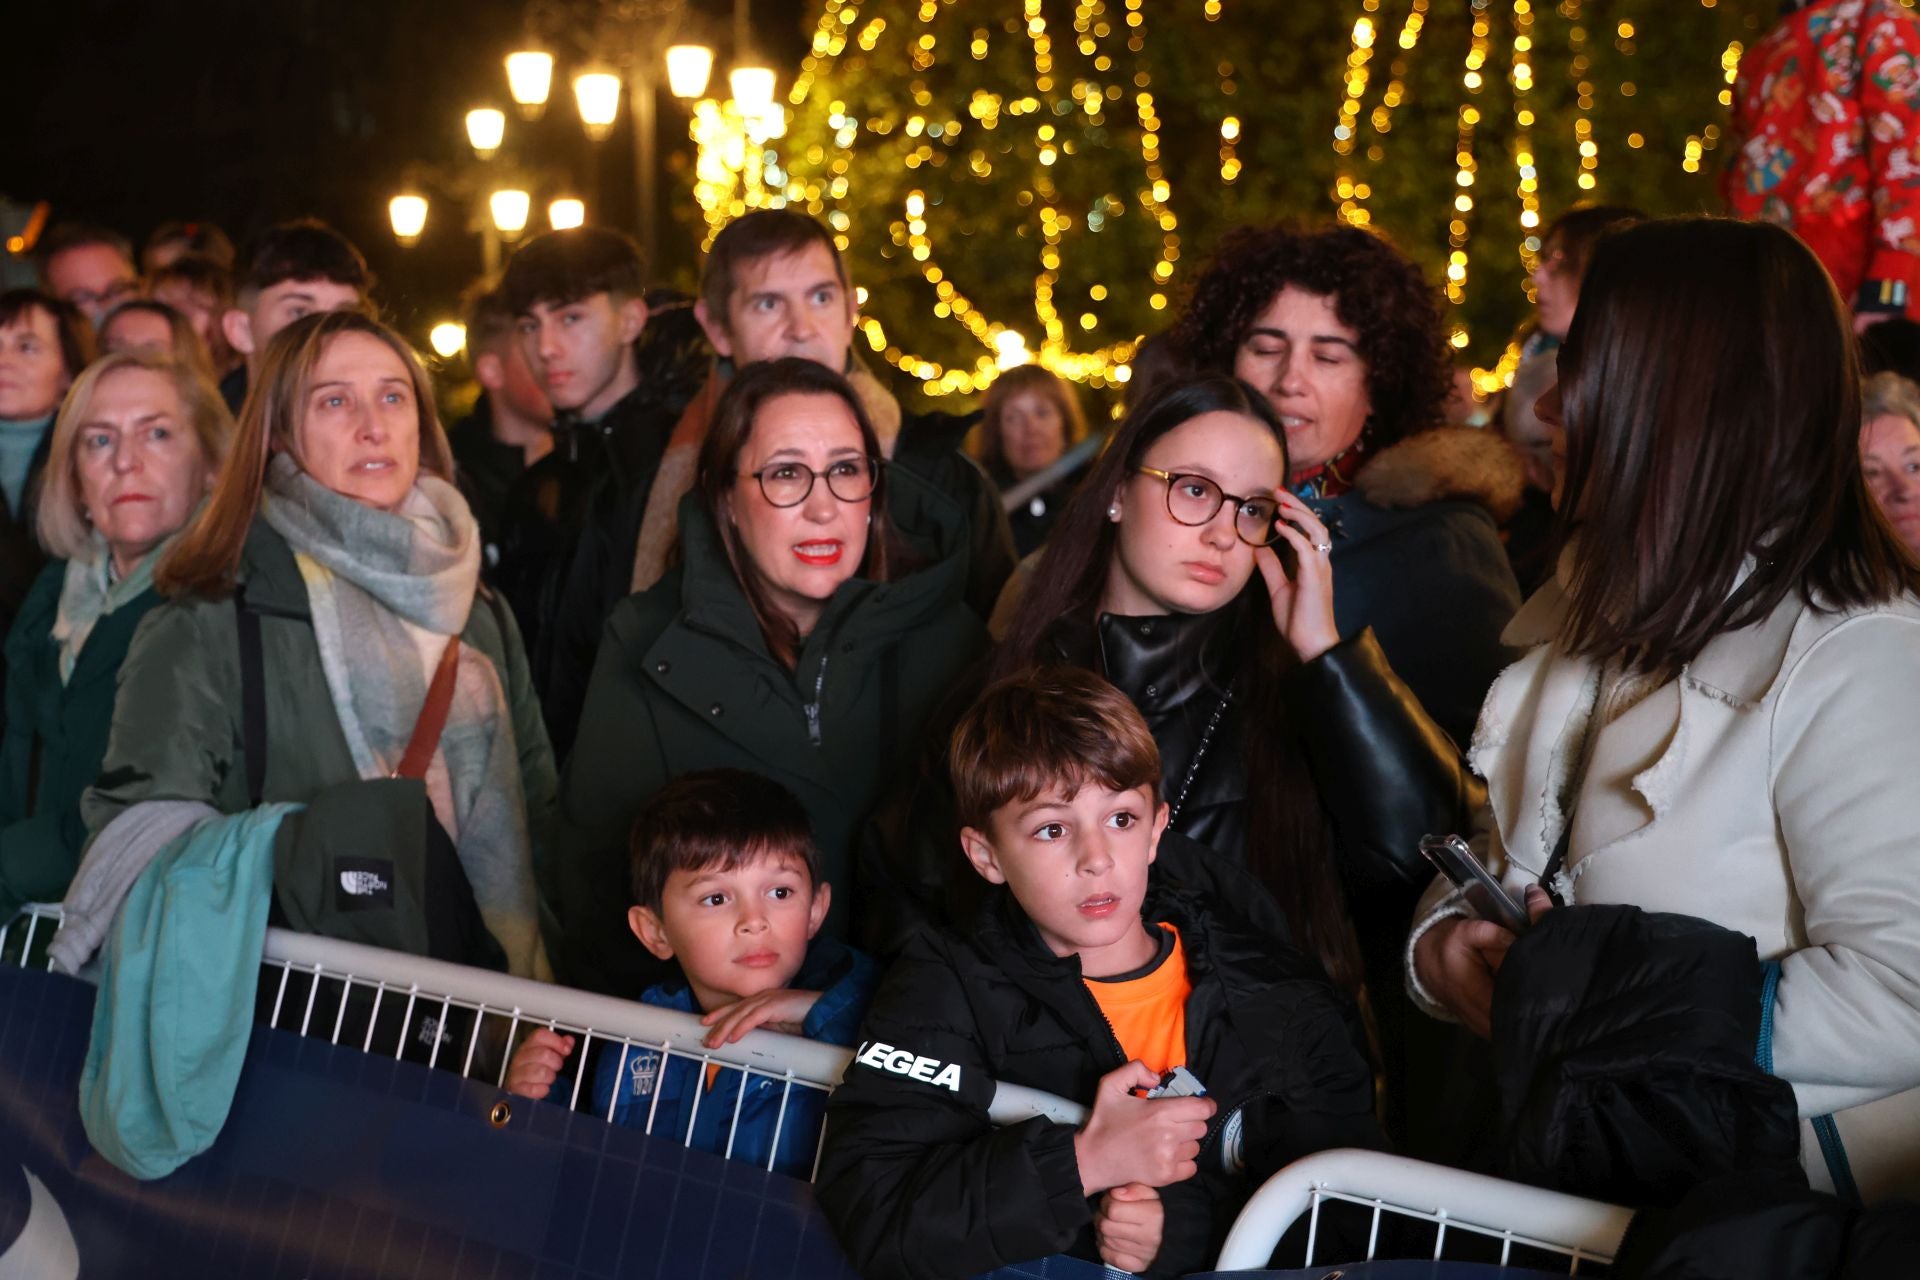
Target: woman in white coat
[{"x": 1716, "y": 716}]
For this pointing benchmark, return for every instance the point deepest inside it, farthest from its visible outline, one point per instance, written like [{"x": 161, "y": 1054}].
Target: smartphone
[
  {"x": 1452, "y": 858},
  {"x": 1179, "y": 1083}
]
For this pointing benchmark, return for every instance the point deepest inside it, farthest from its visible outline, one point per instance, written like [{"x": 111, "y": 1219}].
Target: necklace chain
[{"x": 1200, "y": 753}]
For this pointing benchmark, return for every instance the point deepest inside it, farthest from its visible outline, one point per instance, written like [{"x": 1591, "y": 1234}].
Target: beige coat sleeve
[
  {"x": 1845, "y": 741},
  {"x": 1442, "y": 900}
]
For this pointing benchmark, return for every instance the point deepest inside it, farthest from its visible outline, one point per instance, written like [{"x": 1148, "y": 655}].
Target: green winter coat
[
  {"x": 684, "y": 681},
  {"x": 177, "y": 735},
  {"x": 56, "y": 735}
]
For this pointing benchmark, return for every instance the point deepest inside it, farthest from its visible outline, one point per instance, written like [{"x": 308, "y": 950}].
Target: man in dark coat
[
  {"x": 578, "y": 298},
  {"x": 511, "y": 426}
]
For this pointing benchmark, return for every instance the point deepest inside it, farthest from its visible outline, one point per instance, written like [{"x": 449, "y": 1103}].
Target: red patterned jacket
[{"x": 1824, "y": 121}]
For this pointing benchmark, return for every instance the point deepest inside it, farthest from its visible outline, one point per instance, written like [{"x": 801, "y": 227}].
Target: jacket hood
[{"x": 1459, "y": 463}]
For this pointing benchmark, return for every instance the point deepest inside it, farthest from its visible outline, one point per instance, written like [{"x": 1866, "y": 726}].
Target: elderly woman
[
  {"x": 326, "y": 641},
  {"x": 132, "y": 454},
  {"x": 817, "y": 616},
  {"x": 1029, "y": 421},
  {"x": 1890, "y": 452},
  {"x": 44, "y": 343},
  {"x": 1342, "y": 334},
  {"x": 1714, "y": 717}
]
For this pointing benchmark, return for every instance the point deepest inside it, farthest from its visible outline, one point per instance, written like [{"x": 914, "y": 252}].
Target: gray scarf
[
  {"x": 89, "y": 593},
  {"x": 387, "y": 591}
]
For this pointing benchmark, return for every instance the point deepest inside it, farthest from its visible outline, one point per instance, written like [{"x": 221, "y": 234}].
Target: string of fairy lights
[
  {"x": 741, "y": 168},
  {"x": 1351, "y": 189}
]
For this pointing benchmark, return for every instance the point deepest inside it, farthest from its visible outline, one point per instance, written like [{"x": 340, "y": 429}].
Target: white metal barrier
[
  {"x": 1510, "y": 1215},
  {"x": 452, "y": 1017}
]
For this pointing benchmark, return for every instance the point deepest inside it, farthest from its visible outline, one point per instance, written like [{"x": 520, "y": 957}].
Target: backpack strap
[
  {"x": 1832, "y": 1150},
  {"x": 253, "y": 697},
  {"x": 433, "y": 715}
]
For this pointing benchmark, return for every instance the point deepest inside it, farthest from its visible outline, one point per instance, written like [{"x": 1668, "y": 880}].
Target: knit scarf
[
  {"x": 388, "y": 590},
  {"x": 89, "y": 593},
  {"x": 1337, "y": 474}
]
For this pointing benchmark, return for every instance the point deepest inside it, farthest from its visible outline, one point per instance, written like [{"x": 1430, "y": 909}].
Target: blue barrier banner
[{"x": 335, "y": 1164}]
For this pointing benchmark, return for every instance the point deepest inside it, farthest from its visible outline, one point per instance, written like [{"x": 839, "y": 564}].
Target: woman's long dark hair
[
  {"x": 1288, "y": 843},
  {"x": 719, "y": 466},
  {"x": 1711, "y": 393}
]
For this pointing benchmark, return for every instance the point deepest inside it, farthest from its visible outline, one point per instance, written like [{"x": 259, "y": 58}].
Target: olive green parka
[{"x": 685, "y": 681}]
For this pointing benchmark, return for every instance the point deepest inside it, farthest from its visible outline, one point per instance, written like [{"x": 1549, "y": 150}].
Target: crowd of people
[{"x": 694, "y": 667}]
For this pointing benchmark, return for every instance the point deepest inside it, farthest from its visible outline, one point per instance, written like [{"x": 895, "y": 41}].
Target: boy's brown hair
[
  {"x": 716, "y": 819},
  {"x": 1046, "y": 727}
]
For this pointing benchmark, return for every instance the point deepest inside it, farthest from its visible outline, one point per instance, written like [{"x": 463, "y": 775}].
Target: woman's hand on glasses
[{"x": 1302, "y": 605}]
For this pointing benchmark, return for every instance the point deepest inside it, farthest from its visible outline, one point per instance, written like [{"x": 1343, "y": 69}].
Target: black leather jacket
[{"x": 1385, "y": 773}]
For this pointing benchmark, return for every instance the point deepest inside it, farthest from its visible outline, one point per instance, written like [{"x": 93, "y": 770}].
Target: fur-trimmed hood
[{"x": 1461, "y": 463}]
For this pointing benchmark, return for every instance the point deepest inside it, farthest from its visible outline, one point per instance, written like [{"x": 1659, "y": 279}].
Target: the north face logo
[
  {"x": 362, "y": 884},
  {"x": 904, "y": 1062}
]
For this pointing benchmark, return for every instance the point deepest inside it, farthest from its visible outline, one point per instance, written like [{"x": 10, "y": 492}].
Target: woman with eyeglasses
[
  {"x": 816, "y": 616},
  {"x": 1186, "y": 573}
]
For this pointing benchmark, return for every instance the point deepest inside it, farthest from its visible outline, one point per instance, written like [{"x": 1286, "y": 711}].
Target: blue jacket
[{"x": 845, "y": 980}]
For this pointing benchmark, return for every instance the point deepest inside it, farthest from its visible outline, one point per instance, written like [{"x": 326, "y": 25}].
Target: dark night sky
[{"x": 247, "y": 112}]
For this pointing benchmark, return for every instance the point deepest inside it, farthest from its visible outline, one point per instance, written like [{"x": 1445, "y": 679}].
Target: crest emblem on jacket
[{"x": 644, "y": 1070}]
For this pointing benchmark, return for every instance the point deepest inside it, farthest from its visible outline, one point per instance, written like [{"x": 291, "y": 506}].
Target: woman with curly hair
[{"x": 1343, "y": 336}]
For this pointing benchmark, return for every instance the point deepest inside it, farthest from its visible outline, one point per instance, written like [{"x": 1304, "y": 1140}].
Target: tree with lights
[{"x": 1019, "y": 179}]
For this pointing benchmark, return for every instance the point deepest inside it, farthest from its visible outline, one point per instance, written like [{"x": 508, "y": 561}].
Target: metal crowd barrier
[
  {"x": 451, "y": 1017},
  {"x": 1471, "y": 1216}
]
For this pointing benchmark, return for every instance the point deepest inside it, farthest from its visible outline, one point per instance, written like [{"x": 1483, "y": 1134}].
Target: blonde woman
[
  {"x": 131, "y": 455},
  {"x": 327, "y": 641}
]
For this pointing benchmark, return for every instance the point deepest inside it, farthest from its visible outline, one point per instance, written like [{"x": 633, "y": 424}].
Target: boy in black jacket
[{"x": 1085, "y": 978}]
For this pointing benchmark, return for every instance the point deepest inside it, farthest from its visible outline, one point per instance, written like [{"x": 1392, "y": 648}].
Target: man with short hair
[
  {"x": 90, "y": 267},
  {"x": 297, "y": 268},
  {"x": 511, "y": 426},
  {"x": 569, "y": 522}
]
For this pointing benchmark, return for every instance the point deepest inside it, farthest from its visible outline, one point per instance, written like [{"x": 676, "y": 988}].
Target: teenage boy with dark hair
[
  {"x": 725, "y": 883},
  {"x": 511, "y": 426},
  {"x": 578, "y": 297},
  {"x": 90, "y": 267},
  {"x": 297, "y": 269},
  {"x": 1086, "y": 977}
]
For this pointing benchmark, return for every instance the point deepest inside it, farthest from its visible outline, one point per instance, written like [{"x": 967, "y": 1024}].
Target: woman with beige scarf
[{"x": 331, "y": 578}]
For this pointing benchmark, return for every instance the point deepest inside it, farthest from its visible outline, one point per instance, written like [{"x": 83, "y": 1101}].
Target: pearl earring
[{"x": 1113, "y": 512}]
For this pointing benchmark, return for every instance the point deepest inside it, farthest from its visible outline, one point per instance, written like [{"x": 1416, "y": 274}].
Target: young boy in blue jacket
[{"x": 725, "y": 882}]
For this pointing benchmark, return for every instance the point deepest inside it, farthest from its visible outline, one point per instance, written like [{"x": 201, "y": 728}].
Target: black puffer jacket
[
  {"x": 916, "y": 1180},
  {"x": 562, "y": 525},
  {"x": 1625, "y": 1048},
  {"x": 1768, "y": 1226}
]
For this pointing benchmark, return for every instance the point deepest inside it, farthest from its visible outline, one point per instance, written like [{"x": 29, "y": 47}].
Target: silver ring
[{"x": 1323, "y": 547}]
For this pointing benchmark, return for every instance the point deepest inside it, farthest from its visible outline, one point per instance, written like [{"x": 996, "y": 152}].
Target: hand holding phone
[{"x": 1482, "y": 893}]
